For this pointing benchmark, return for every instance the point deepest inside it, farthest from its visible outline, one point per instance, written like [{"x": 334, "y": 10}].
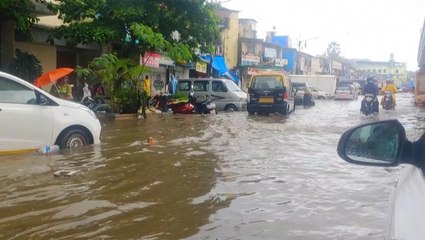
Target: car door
[
  {"x": 24, "y": 123},
  {"x": 219, "y": 94},
  {"x": 201, "y": 89}
]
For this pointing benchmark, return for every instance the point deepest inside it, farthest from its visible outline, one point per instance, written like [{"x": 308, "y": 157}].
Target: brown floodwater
[{"x": 224, "y": 176}]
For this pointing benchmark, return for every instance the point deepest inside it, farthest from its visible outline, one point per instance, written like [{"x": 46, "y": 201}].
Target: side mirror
[
  {"x": 43, "y": 100},
  {"x": 376, "y": 144}
]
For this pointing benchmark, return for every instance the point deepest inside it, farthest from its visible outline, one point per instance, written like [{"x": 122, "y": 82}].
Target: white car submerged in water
[{"x": 31, "y": 118}]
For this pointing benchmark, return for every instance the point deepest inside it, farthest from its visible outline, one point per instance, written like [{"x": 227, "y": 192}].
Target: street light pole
[{"x": 305, "y": 42}]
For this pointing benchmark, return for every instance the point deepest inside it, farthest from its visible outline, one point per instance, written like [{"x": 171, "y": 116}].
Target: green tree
[
  {"x": 333, "y": 51},
  {"x": 112, "y": 21},
  {"x": 120, "y": 77},
  {"x": 19, "y": 11},
  {"x": 25, "y": 66}
]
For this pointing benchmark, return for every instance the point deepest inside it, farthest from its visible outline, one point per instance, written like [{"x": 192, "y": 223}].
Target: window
[
  {"x": 266, "y": 82},
  {"x": 385, "y": 71},
  {"x": 13, "y": 92},
  {"x": 183, "y": 85},
  {"x": 251, "y": 49},
  {"x": 232, "y": 86},
  {"x": 201, "y": 86},
  {"x": 218, "y": 86}
]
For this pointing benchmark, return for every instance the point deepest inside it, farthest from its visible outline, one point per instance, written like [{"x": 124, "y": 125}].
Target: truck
[
  {"x": 325, "y": 83},
  {"x": 420, "y": 88}
]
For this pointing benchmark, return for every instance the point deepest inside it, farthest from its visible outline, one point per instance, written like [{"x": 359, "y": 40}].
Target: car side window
[
  {"x": 14, "y": 92},
  {"x": 201, "y": 86},
  {"x": 183, "y": 85},
  {"x": 218, "y": 86}
]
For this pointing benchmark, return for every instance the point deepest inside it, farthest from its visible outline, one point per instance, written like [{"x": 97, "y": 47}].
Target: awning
[{"x": 220, "y": 67}]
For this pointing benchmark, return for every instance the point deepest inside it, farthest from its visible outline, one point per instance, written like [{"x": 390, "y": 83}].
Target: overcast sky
[{"x": 366, "y": 29}]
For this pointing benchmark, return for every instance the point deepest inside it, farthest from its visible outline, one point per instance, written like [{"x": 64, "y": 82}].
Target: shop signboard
[
  {"x": 280, "y": 62},
  {"x": 249, "y": 60},
  {"x": 151, "y": 59},
  {"x": 201, "y": 67}
]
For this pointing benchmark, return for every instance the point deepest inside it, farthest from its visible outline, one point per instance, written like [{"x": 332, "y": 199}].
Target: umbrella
[{"x": 52, "y": 76}]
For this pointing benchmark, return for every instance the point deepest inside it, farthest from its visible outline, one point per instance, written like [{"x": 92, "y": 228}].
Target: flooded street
[{"x": 224, "y": 176}]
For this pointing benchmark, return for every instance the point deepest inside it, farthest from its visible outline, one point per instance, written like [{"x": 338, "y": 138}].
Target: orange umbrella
[{"x": 52, "y": 76}]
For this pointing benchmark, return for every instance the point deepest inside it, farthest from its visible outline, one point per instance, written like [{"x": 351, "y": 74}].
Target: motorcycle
[
  {"x": 387, "y": 102},
  {"x": 193, "y": 106},
  {"x": 205, "y": 107},
  {"x": 163, "y": 102},
  {"x": 370, "y": 105},
  {"x": 97, "y": 106}
]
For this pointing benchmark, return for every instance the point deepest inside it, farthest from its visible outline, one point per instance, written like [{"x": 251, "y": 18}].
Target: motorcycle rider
[
  {"x": 371, "y": 88},
  {"x": 391, "y": 87}
]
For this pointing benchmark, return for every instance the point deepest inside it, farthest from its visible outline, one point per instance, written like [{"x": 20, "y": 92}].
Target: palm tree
[{"x": 333, "y": 51}]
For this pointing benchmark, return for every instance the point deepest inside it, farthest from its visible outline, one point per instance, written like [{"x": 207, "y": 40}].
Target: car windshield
[
  {"x": 232, "y": 86},
  {"x": 267, "y": 82}
]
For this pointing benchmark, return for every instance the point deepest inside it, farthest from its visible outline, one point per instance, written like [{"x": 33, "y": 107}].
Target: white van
[
  {"x": 31, "y": 118},
  {"x": 225, "y": 93}
]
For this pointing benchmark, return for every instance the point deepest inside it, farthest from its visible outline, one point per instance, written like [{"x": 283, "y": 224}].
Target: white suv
[{"x": 31, "y": 118}]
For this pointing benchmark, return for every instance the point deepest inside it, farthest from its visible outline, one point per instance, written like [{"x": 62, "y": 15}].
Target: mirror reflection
[{"x": 375, "y": 143}]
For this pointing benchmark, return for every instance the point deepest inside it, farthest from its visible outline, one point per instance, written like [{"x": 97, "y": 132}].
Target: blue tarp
[{"x": 220, "y": 67}]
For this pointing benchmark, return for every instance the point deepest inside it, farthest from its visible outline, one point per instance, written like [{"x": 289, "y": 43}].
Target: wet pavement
[{"x": 224, "y": 176}]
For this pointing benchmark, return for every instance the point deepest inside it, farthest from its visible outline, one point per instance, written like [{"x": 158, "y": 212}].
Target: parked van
[
  {"x": 270, "y": 92},
  {"x": 225, "y": 93}
]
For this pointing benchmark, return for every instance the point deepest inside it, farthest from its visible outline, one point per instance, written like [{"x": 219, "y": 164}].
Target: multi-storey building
[
  {"x": 247, "y": 28},
  {"x": 381, "y": 70}
]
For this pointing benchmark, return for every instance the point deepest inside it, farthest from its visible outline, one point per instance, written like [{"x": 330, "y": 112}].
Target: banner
[
  {"x": 151, "y": 59},
  {"x": 201, "y": 67}
]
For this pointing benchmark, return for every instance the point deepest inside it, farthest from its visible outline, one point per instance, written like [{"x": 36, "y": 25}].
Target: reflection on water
[{"x": 225, "y": 176}]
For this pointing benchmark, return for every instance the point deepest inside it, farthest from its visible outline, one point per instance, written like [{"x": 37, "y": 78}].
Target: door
[
  {"x": 201, "y": 89},
  {"x": 219, "y": 93},
  {"x": 24, "y": 123}
]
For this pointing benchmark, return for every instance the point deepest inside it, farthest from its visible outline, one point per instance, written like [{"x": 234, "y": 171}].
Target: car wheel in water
[
  {"x": 230, "y": 108},
  {"x": 74, "y": 138},
  {"x": 285, "y": 109}
]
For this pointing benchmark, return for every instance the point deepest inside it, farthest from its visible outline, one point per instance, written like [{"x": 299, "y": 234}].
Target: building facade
[
  {"x": 381, "y": 70},
  {"x": 247, "y": 28},
  {"x": 228, "y": 43}
]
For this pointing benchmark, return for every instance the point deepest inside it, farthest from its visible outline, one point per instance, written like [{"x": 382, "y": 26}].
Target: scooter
[
  {"x": 193, "y": 106},
  {"x": 205, "y": 107},
  {"x": 370, "y": 105},
  {"x": 96, "y": 106},
  {"x": 387, "y": 102}
]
